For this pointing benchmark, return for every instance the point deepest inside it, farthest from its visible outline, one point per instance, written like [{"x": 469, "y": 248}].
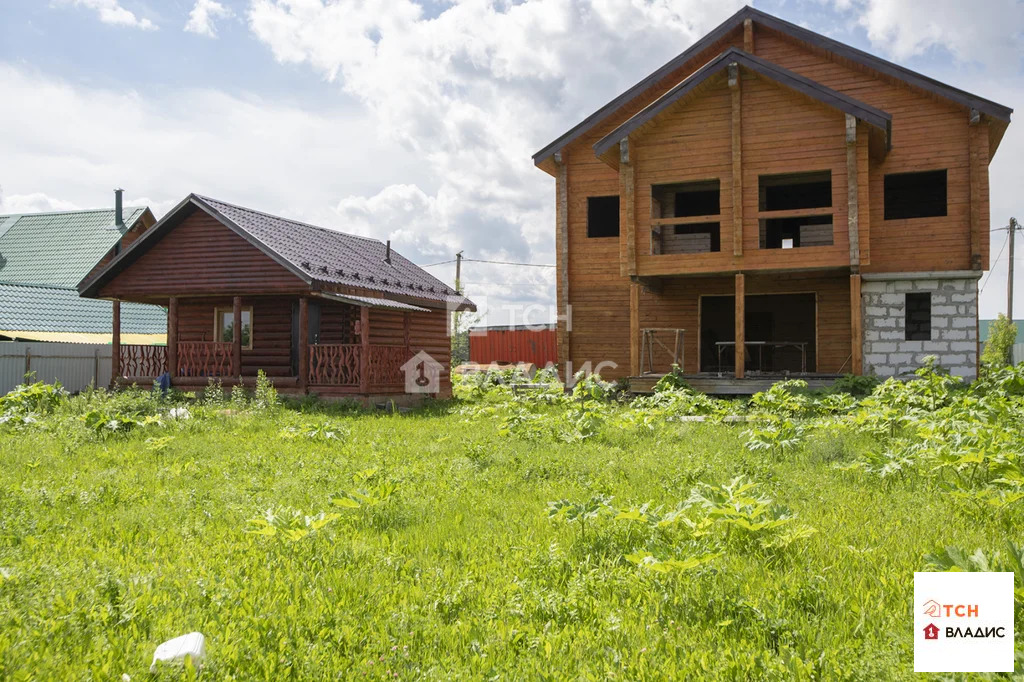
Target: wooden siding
[{"x": 201, "y": 256}]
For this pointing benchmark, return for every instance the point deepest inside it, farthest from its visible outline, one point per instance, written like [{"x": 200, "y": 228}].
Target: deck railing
[
  {"x": 338, "y": 364},
  {"x": 143, "y": 361},
  {"x": 205, "y": 359}
]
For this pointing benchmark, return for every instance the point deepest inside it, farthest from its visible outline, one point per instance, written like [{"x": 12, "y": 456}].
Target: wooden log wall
[
  {"x": 201, "y": 256},
  {"x": 271, "y": 330}
]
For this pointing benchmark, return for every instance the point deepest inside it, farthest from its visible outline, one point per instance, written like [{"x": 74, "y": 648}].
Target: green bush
[{"x": 999, "y": 347}]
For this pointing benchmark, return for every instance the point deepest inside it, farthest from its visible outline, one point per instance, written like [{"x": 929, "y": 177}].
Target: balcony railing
[
  {"x": 205, "y": 359},
  {"x": 339, "y": 364},
  {"x": 143, "y": 361}
]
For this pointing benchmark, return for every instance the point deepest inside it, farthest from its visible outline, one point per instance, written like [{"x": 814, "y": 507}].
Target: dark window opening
[
  {"x": 686, "y": 200},
  {"x": 791, "y": 233},
  {"x": 915, "y": 195},
  {"x": 918, "y": 317},
  {"x": 603, "y": 216},
  {"x": 795, "y": 191},
  {"x": 780, "y": 332}
]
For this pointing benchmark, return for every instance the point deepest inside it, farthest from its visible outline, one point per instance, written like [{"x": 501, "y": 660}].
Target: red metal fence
[{"x": 510, "y": 345}]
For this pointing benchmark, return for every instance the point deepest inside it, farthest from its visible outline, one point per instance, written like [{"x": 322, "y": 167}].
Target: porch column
[
  {"x": 115, "y": 345},
  {"x": 741, "y": 335},
  {"x": 364, "y": 354},
  {"x": 634, "y": 330},
  {"x": 856, "y": 328},
  {"x": 406, "y": 329},
  {"x": 172, "y": 336},
  {"x": 236, "y": 339},
  {"x": 303, "y": 343}
]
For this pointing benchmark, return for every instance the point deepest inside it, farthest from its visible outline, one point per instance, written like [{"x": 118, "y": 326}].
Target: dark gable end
[{"x": 972, "y": 102}]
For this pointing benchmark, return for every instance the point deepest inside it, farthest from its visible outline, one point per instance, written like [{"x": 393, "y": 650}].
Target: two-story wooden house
[{"x": 779, "y": 202}]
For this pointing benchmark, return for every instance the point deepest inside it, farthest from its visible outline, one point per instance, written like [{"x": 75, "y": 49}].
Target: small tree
[{"x": 999, "y": 347}]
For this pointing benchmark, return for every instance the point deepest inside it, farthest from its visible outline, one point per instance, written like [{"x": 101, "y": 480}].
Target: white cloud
[
  {"x": 204, "y": 13},
  {"x": 988, "y": 32},
  {"x": 473, "y": 92},
  {"x": 34, "y": 202},
  {"x": 111, "y": 12}
]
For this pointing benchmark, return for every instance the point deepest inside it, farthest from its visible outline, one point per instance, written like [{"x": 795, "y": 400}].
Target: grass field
[{"x": 545, "y": 538}]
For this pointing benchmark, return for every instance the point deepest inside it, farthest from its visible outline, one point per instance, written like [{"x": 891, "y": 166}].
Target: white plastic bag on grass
[{"x": 175, "y": 651}]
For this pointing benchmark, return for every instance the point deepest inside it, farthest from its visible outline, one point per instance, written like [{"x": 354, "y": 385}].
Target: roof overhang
[
  {"x": 372, "y": 302},
  {"x": 998, "y": 112},
  {"x": 879, "y": 121},
  {"x": 85, "y": 337}
]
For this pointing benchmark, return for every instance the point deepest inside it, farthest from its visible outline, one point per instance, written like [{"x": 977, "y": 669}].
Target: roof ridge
[
  {"x": 290, "y": 220},
  {"x": 83, "y": 210}
]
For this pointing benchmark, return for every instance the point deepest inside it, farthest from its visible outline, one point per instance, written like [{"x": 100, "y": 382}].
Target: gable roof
[
  {"x": 985, "y": 106},
  {"x": 59, "y": 248},
  {"x": 878, "y": 119},
  {"x": 316, "y": 255},
  {"x": 25, "y": 308}
]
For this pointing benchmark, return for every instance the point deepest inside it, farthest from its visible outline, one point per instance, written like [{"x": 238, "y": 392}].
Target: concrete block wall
[{"x": 954, "y": 326}]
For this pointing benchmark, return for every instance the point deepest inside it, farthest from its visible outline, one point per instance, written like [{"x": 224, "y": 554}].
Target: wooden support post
[
  {"x": 863, "y": 197},
  {"x": 407, "y": 329},
  {"x": 979, "y": 211},
  {"x": 856, "y": 328},
  {"x": 748, "y": 35},
  {"x": 172, "y": 337},
  {"x": 236, "y": 338},
  {"x": 634, "y": 329},
  {"x": 741, "y": 334},
  {"x": 627, "y": 207},
  {"x": 304, "y": 343},
  {"x": 737, "y": 160},
  {"x": 364, "y": 350},
  {"x": 852, "y": 192},
  {"x": 564, "y": 326},
  {"x": 115, "y": 345}
]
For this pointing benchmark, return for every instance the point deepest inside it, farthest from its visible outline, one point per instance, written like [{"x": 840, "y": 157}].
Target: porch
[
  {"x": 325, "y": 344},
  {"x": 715, "y": 383}
]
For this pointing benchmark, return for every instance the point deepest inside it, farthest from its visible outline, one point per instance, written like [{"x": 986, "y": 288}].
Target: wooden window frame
[
  {"x": 764, "y": 215},
  {"x": 218, "y": 327},
  {"x": 711, "y": 221}
]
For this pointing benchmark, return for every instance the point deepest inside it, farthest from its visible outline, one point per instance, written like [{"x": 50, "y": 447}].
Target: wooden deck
[{"x": 725, "y": 384}]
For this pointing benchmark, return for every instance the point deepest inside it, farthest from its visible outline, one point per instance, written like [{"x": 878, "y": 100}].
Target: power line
[
  {"x": 993, "y": 269},
  {"x": 491, "y": 262}
]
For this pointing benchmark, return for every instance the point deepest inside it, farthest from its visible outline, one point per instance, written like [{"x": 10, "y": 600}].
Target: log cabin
[
  {"x": 772, "y": 202},
  {"x": 317, "y": 310}
]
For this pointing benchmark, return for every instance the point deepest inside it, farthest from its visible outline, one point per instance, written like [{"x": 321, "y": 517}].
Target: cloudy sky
[{"x": 413, "y": 121}]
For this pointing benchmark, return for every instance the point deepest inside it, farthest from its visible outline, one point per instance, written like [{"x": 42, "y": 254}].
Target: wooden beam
[
  {"x": 797, "y": 212},
  {"x": 564, "y": 326},
  {"x": 852, "y": 192},
  {"x": 364, "y": 350},
  {"x": 856, "y": 327},
  {"x": 737, "y": 160},
  {"x": 741, "y": 332},
  {"x": 979, "y": 218},
  {"x": 236, "y": 337},
  {"x": 863, "y": 195},
  {"x": 303, "y": 343},
  {"x": 407, "y": 329},
  {"x": 172, "y": 336},
  {"x": 115, "y": 344},
  {"x": 634, "y": 329},
  {"x": 627, "y": 207},
  {"x": 748, "y": 35},
  {"x": 686, "y": 220}
]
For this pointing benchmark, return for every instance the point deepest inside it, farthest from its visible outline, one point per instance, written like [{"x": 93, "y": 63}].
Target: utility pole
[
  {"x": 1009, "y": 279},
  {"x": 458, "y": 272}
]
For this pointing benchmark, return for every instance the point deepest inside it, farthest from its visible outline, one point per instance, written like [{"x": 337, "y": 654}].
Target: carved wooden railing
[
  {"x": 143, "y": 361},
  {"x": 386, "y": 365},
  {"x": 336, "y": 364},
  {"x": 205, "y": 359}
]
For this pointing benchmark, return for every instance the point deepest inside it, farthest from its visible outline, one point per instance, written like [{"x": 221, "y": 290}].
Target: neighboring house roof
[
  {"x": 315, "y": 255},
  {"x": 56, "y": 309},
  {"x": 878, "y": 119},
  {"x": 58, "y": 249},
  {"x": 966, "y": 99}
]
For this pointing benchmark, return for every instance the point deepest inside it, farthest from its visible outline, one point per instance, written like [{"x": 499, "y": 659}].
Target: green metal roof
[
  {"x": 57, "y": 249},
  {"x": 55, "y": 309}
]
